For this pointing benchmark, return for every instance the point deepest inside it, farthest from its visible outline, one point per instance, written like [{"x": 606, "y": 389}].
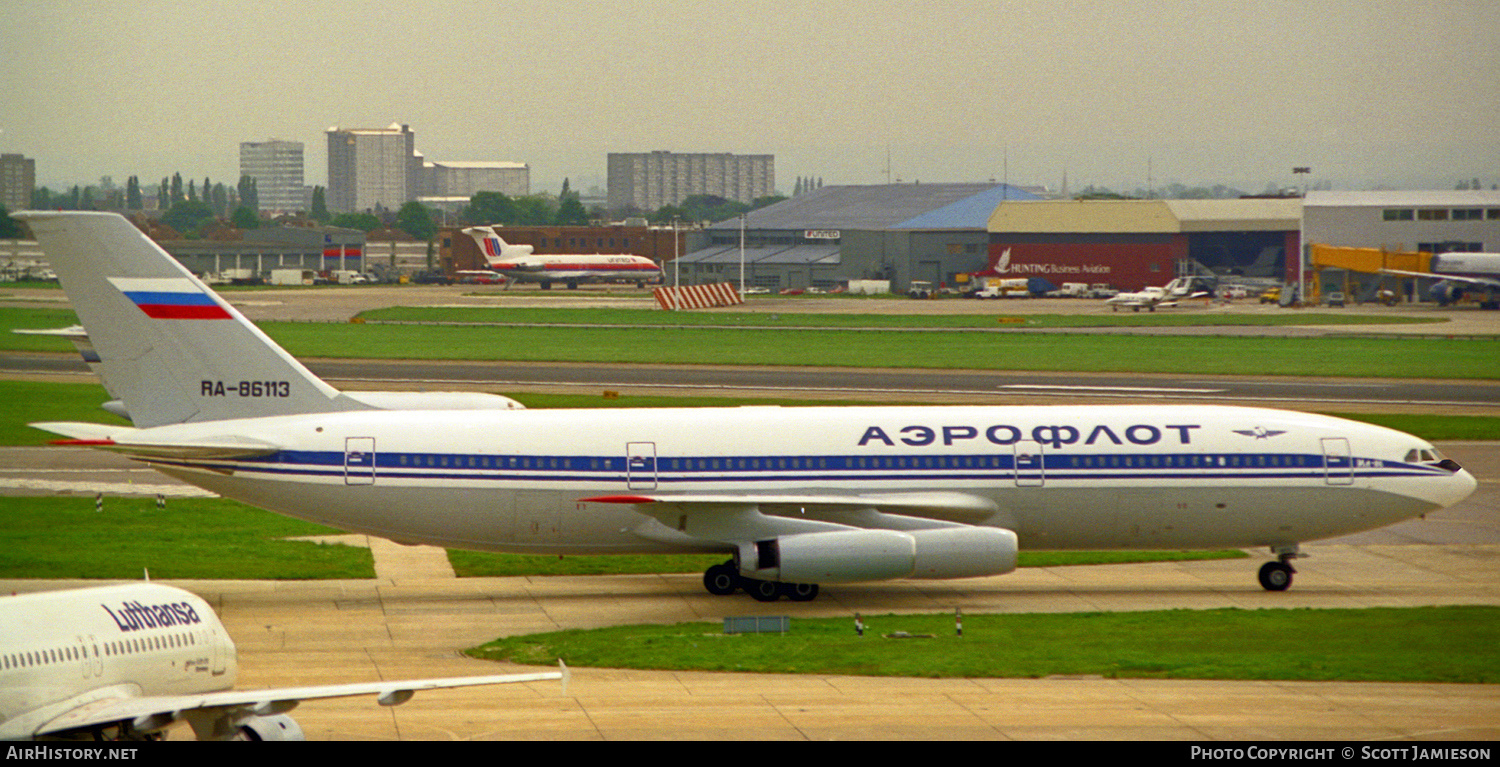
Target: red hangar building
[{"x": 1132, "y": 244}]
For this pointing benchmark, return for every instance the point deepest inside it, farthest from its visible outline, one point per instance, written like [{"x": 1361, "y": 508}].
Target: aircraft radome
[
  {"x": 127, "y": 662},
  {"x": 794, "y": 497}
]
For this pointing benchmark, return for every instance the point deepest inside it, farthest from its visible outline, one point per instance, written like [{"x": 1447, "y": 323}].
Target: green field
[
  {"x": 1424, "y": 644},
  {"x": 65, "y": 537},
  {"x": 478, "y": 564},
  {"x": 1364, "y": 356},
  {"x": 997, "y": 318},
  {"x": 1208, "y": 355}
]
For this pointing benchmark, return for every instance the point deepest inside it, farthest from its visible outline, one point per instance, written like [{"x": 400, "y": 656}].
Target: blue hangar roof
[{"x": 886, "y": 206}]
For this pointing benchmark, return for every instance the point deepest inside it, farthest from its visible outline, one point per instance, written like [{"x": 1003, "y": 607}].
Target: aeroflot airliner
[
  {"x": 519, "y": 264},
  {"x": 126, "y": 662},
  {"x": 795, "y": 497}
]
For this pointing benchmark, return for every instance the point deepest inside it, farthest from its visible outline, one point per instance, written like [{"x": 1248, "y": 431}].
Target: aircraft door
[
  {"x": 1027, "y": 457},
  {"x": 1338, "y": 461},
  {"x": 640, "y": 465},
  {"x": 218, "y": 664},
  {"x": 359, "y": 461},
  {"x": 83, "y": 656}
]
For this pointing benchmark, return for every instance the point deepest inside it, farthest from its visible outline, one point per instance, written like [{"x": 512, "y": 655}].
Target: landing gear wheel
[
  {"x": 721, "y": 580},
  {"x": 761, "y": 591},
  {"x": 1276, "y": 576},
  {"x": 800, "y": 592}
]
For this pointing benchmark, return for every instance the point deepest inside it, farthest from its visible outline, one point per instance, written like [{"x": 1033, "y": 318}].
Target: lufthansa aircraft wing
[
  {"x": 128, "y": 661},
  {"x": 221, "y": 715}
]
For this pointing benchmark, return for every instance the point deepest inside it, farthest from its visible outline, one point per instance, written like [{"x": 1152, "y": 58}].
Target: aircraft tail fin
[
  {"x": 169, "y": 347},
  {"x": 493, "y": 247}
]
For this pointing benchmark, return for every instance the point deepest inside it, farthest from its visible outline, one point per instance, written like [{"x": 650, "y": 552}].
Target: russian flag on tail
[{"x": 170, "y": 298}]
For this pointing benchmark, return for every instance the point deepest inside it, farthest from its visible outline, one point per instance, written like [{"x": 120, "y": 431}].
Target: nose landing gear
[{"x": 1277, "y": 576}]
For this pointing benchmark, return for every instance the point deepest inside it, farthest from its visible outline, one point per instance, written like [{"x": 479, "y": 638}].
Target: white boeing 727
[
  {"x": 519, "y": 264},
  {"x": 794, "y": 496},
  {"x": 126, "y": 662}
]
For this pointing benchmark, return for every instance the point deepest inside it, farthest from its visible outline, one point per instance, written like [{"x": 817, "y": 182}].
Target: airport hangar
[
  {"x": 940, "y": 233},
  {"x": 936, "y": 232},
  {"x": 1400, "y": 221}
]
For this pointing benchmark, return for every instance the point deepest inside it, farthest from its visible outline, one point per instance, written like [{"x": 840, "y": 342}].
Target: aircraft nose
[{"x": 1457, "y": 487}]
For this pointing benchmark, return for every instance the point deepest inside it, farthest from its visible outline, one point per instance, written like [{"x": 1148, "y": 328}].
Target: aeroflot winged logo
[
  {"x": 170, "y": 298},
  {"x": 1259, "y": 432}
]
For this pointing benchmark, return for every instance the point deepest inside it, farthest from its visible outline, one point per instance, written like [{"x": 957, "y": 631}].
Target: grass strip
[
  {"x": 1365, "y": 357},
  {"x": 191, "y": 538},
  {"x": 477, "y": 564},
  {"x": 1424, "y": 644},
  {"x": 997, "y": 318},
  {"x": 1369, "y": 357}
]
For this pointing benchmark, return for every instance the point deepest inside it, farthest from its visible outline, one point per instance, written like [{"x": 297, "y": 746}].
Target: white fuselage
[
  {"x": 62, "y": 650},
  {"x": 576, "y": 268},
  {"x": 1456, "y": 263},
  {"x": 1059, "y": 477}
]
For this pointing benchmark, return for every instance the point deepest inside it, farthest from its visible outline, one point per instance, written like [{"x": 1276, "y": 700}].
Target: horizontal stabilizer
[{"x": 127, "y": 441}]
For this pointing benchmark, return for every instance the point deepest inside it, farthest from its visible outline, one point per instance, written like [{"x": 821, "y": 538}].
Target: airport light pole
[
  {"x": 676, "y": 270},
  {"x": 1302, "y": 170}
]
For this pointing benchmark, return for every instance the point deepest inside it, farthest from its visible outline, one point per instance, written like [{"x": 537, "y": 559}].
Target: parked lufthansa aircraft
[
  {"x": 126, "y": 662},
  {"x": 1460, "y": 273},
  {"x": 794, "y": 497},
  {"x": 519, "y": 264}
]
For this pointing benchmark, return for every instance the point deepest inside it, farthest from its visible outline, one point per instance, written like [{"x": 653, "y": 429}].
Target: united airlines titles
[{"x": 1004, "y": 434}]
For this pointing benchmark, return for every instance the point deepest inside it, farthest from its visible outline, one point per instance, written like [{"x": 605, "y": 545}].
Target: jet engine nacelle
[
  {"x": 278, "y": 727},
  {"x": 852, "y": 556},
  {"x": 1445, "y": 292}
]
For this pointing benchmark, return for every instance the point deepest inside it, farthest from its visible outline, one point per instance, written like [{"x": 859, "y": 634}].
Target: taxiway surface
[{"x": 414, "y": 618}]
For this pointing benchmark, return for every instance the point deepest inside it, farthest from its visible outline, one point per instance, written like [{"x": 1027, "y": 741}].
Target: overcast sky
[{"x": 1367, "y": 92}]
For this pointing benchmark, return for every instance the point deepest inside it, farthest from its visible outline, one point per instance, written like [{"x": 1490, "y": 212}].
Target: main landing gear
[
  {"x": 725, "y": 579},
  {"x": 1277, "y": 576}
]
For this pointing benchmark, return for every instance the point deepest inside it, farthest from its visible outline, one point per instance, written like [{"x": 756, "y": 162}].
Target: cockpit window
[
  {"x": 1432, "y": 457},
  {"x": 1424, "y": 455}
]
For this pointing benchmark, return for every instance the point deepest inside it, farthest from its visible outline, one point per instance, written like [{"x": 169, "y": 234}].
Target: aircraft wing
[
  {"x": 808, "y": 539},
  {"x": 736, "y": 518},
  {"x": 124, "y": 439},
  {"x": 1486, "y": 281},
  {"x": 216, "y": 715}
]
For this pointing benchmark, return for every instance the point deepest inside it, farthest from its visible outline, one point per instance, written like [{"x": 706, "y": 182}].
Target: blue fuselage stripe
[{"x": 829, "y": 468}]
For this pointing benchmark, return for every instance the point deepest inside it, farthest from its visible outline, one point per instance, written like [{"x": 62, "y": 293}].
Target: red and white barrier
[{"x": 698, "y": 296}]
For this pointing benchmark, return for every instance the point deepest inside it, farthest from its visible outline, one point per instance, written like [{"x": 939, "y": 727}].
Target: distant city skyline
[{"x": 1367, "y": 93}]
